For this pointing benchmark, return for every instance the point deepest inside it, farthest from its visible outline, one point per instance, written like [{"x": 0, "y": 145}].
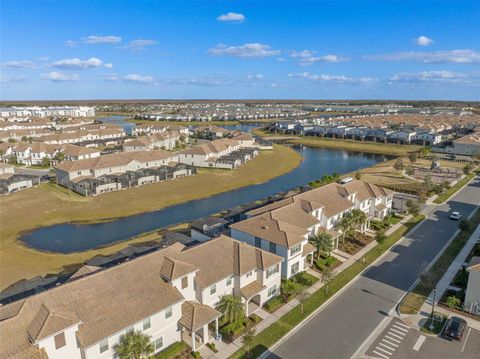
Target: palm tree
[
  {"x": 345, "y": 225},
  {"x": 232, "y": 308},
  {"x": 322, "y": 242},
  {"x": 134, "y": 345},
  {"x": 358, "y": 218}
]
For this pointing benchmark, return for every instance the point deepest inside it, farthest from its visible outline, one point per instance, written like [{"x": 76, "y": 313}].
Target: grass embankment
[
  {"x": 286, "y": 323},
  {"x": 49, "y": 204},
  {"x": 415, "y": 299},
  {"x": 451, "y": 191}
]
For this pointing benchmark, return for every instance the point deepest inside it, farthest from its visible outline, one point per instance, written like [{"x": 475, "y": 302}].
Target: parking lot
[{"x": 398, "y": 341}]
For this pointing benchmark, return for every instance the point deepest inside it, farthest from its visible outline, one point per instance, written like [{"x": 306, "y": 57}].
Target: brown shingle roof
[
  {"x": 196, "y": 315},
  {"x": 252, "y": 289},
  {"x": 173, "y": 269}
]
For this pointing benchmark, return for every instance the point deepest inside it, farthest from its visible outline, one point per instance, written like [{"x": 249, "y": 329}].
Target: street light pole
[{"x": 433, "y": 307}]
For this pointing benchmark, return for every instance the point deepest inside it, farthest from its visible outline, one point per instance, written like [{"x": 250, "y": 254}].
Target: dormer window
[
  {"x": 59, "y": 340},
  {"x": 103, "y": 346},
  {"x": 184, "y": 282}
]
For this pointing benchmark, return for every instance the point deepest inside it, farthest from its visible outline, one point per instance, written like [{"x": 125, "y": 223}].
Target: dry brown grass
[{"x": 50, "y": 204}]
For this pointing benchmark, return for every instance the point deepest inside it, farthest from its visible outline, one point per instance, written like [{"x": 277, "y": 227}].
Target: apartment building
[
  {"x": 169, "y": 295},
  {"x": 167, "y": 140},
  {"x": 472, "y": 294},
  {"x": 117, "y": 171},
  {"x": 13, "y": 182},
  {"x": 284, "y": 227},
  {"x": 464, "y": 146},
  {"x": 64, "y": 111},
  {"x": 222, "y": 153},
  {"x": 105, "y": 136},
  {"x": 157, "y": 127}
]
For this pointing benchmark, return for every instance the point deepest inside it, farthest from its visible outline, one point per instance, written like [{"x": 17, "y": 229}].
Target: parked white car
[{"x": 456, "y": 216}]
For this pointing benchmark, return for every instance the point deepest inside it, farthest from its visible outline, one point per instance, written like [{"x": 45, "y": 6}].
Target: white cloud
[
  {"x": 423, "y": 41},
  {"x": 96, "y": 39},
  {"x": 308, "y": 57},
  {"x": 139, "y": 44},
  {"x": 255, "y": 77},
  {"x": 19, "y": 64},
  {"x": 437, "y": 77},
  {"x": 231, "y": 17},
  {"x": 79, "y": 64},
  {"x": 437, "y": 57},
  {"x": 56, "y": 76},
  {"x": 245, "y": 51},
  {"x": 141, "y": 79},
  {"x": 108, "y": 65},
  {"x": 9, "y": 79},
  {"x": 333, "y": 79},
  {"x": 281, "y": 59},
  {"x": 111, "y": 77},
  {"x": 70, "y": 43}
]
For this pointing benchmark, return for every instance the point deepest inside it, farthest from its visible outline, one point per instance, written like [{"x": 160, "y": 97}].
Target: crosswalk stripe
[
  {"x": 390, "y": 338},
  {"x": 402, "y": 325},
  {"x": 383, "y": 350},
  {"x": 398, "y": 332},
  {"x": 389, "y": 343},
  {"x": 400, "y": 328},
  {"x": 388, "y": 347},
  {"x": 381, "y": 355},
  {"x": 395, "y": 335}
]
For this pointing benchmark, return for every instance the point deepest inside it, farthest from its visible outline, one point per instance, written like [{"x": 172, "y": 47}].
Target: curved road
[{"x": 341, "y": 327}]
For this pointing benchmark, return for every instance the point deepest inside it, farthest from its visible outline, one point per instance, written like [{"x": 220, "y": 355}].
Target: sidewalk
[
  {"x": 442, "y": 286},
  {"x": 227, "y": 350}
]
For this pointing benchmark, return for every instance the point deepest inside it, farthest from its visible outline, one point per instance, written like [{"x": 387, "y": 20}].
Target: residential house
[
  {"x": 472, "y": 294},
  {"x": 401, "y": 136},
  {"x": 164, "y": 140},
  {"x": 464, "y": 146},
  {"x": 284, "y": 227},
  {"x": 12, "y": 182},
  {"x": 117, "y": 171},
  {"x": 427, "y": 138},
  {"x": 206, "y": 228},
  {"x": 169, "y": 295}
]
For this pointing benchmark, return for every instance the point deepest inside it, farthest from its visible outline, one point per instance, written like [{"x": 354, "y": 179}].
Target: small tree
[
  {"x": 248, "y": 338},
  {"x": 410, "y": 171},
  {"x": 398, "y": 165},
  {"x": 302, "y": 296},
  {"x": 467, "y": 169},
  {"x": 45, "y": 162},
  {"x": 464, "y": 225},
  {"x": 358, "y": 175},
  {"x": 413, "y": 207},
  {"x": 232, "y": 308},
  {"x": 380, "y": 236},
  {"x": 412, "y": 157},
  {"x": 289, "y": 289},
  {"x": 134, "y": 345},
  {"x": 453, "y": 302},
  {"x": 327, "y": 277}
]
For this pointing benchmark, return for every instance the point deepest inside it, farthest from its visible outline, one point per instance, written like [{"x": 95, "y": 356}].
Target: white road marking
[
  {"x": 466, "y": 338},
  {"x": 419, "y": 342},
  {"x": 389, "y": 343},
  {"x": 395, "y": 335},
  {"x": 398, "y": 332},
  {"x": 383, "y": 350},
  {"x": 402, "y": 325},
  {"x": 381, "y": 355},
  {"x": 387, "y": 346},
  {"x": 400, "y": 328},
  {"x": 390, "y": 338}
]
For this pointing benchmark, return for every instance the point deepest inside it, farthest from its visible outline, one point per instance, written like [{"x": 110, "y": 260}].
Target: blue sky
[{"x": 239, "y": 49}]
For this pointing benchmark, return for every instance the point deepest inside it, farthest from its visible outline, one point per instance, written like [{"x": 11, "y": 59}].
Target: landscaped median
[
  {"x": 414, "y": 300},
  {"x": 277, "y": 330},
  {"x": 452, "y": 190}
]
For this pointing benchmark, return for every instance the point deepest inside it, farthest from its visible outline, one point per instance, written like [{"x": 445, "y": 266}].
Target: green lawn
[
  {"x": 286, "y": 323},
  {"x": 415, "y": 299}
]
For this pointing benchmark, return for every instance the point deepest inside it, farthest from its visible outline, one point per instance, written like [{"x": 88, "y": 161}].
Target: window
[
  {"x": 258, "y": 242},
  {"x": 103, "y": 346},
  {"x": 168, "y": 312},
  {"x": 213, "y": 289},
  {"x": 272, "y": 270},
  {"x": 295, "y": 268},
  {"x": 146, "y": 324},
  {"x": 295, "y": 249},
  {"x": 273, "y": 247},
  {"x": 229, "y": 281},
  {"x": 272, "y": 291},
  {"x": 59, "y": 340},
  {"x": 129, "y": 330},
  {"x": 158, "y": 343},
  {"x": 184, "y": 282}
]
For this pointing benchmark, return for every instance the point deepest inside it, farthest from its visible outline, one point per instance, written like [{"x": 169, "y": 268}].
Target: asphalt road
[
  {"x": 344, "y": 324},
  {"x": 400, "y": 342}
]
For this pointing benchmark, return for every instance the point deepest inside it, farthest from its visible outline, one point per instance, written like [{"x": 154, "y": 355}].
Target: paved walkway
[
  {"x": 425, "y": 312},
  {"x": 226, "y": 350}
]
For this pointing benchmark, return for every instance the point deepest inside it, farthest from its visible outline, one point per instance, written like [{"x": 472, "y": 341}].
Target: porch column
[
  {"x": 193, "y": 341},
  {"x": 216, "y": 328},
  {"x": 246, "y": 307},
  {"x": 205, "y": 334}
]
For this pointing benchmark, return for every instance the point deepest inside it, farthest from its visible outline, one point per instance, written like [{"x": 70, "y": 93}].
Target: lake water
[{"x": 67, "y": 238}]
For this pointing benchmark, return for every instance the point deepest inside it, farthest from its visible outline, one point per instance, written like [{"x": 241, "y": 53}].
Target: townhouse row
[
  {"x": 13, "y": 182},
  {"x": 169, "y": 295}
]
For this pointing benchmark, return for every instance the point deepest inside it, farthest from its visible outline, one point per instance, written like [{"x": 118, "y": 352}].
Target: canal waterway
[{"x": 69, "y": 237}]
